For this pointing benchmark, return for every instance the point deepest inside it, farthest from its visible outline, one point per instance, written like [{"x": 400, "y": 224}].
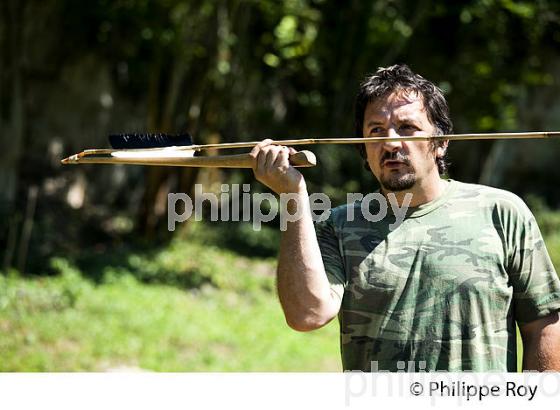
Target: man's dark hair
[{"x": 396, "y": 78}]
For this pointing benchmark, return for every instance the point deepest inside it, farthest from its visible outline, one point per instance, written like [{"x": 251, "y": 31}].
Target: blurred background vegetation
[{"x": 91, "y": 278}]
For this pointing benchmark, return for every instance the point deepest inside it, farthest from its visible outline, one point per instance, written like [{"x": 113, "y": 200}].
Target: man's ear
[{"x": 442, "y": 149}]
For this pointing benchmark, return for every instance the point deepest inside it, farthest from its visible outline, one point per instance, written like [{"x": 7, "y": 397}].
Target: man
[{"x": 442, "y": 290}]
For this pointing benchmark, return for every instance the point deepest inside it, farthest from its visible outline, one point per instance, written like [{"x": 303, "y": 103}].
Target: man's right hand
[{"x": 272, "y": 167}]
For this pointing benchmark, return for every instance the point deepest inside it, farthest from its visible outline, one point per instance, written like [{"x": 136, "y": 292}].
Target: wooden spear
[{"x": 178, "y": 150}]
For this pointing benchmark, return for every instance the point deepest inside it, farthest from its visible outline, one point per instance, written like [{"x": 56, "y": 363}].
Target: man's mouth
[
  {"x": 393, "y": 163},
  {"x": 394, "y": 160}
]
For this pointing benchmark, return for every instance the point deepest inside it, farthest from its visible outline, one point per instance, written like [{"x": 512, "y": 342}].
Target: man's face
[{"x": 400, "y": 165}]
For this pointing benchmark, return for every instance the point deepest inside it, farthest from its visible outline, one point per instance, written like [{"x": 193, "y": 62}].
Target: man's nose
[{"x": 395, "y": 144}]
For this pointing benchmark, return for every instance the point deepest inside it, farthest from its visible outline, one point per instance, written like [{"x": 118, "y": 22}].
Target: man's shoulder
[
  {"x": 345, "y": 208},
  {"x": 340, "y": 214},
  {"x": 496, "y": 199}
]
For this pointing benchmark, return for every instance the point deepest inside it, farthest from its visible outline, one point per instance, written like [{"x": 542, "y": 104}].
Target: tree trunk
[
  {"x": 12, "y": 128},
  {"x": 154, "y": 175},
  {"x": 495, "y": 164},
  {"x": 12, "y": 132},
  {"x": 154, "y": 203}
]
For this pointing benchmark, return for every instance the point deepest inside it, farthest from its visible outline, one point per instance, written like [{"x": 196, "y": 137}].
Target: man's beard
[{"x": 396, "y": 181}]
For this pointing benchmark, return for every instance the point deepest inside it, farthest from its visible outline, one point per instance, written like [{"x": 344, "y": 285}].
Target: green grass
[{"x": 231, "y": 322}]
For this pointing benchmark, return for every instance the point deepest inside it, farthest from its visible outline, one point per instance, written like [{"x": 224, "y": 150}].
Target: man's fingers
[
  {"x": 283, "y": 158},
  {"x": 257, "y": 149},
  {"x": 271, "y": 165},
  {"x": 261, "y": 161},
  {"x": 271, "y": 156},
  {"x": 266, "y": 158}
]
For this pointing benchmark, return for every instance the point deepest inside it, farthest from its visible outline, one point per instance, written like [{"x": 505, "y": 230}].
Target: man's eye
[
  {"x": 408, "y": 127},
  {"x": 376, "y": 130}
]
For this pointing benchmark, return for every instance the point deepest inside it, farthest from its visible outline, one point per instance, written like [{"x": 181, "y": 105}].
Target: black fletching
[{"x": 160, "y": 140}]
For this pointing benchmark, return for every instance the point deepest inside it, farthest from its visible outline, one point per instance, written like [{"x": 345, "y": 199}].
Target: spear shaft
[{"x": 313, "y": 141}]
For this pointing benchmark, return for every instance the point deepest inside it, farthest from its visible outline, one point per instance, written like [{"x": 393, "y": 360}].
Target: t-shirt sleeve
[
  {"x": 536, "y": 287},
  {"x": 331, "y": 254}
]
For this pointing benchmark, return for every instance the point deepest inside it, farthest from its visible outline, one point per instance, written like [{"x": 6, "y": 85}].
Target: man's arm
[
  {"x": 303, "y": 288},
  {"x": 541, "y": 343}
]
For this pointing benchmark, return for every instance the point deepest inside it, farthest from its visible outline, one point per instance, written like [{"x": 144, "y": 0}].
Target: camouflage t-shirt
[{"x": 441, "y": 291}]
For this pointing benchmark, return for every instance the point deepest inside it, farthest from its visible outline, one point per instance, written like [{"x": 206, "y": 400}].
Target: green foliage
[
  {"x": 548, "y": 220},
  {"x": 240, "y": 237},
  {"x": 553, "y": 246},
  {"x": 191, "y": 265},
  {"x": 549, "y": 225},
  {"x": 43, "y": 295},
  {"x": 244, "y": 70}
]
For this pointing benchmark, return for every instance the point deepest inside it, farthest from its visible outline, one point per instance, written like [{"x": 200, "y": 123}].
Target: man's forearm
[
  {"x": 303, "y": 287},
  {"x": 541, "y": 344},
  {"x": 542, "y": 355}
]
